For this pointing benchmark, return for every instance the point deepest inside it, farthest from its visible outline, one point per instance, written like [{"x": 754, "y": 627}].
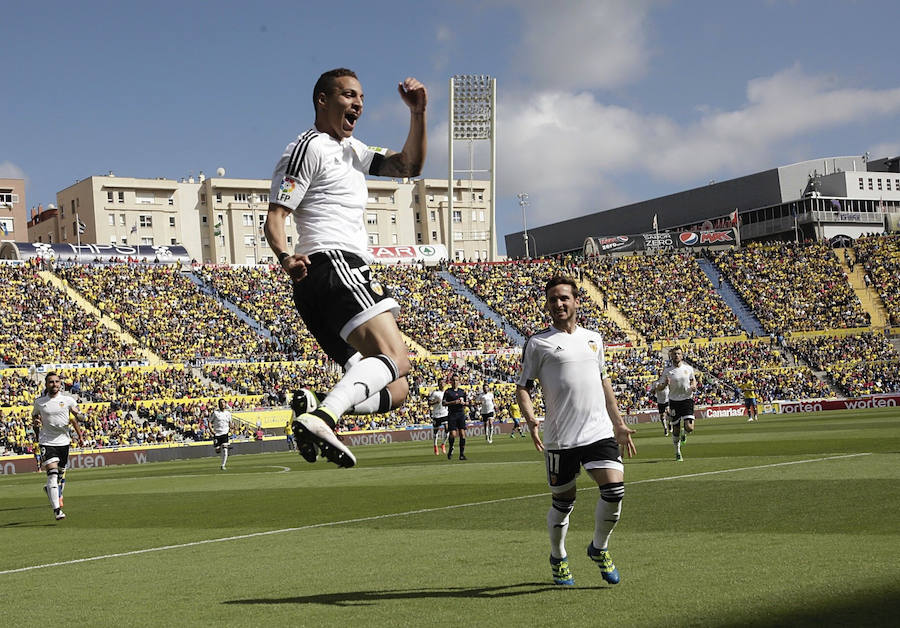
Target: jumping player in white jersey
[
  {"x": 320, "y": 181},
  {"x": 679, "y": 377},
  {"x": 582, "y": 427},
  {"x": 221, "y": 427},
  {"x": 53, "y": 412}
]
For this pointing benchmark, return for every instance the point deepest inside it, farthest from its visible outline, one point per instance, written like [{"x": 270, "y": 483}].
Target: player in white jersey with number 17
[{"x": 582, "y": 426}]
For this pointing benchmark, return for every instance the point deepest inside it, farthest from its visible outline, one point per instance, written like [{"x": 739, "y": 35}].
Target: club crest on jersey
[
  {"x": 593, "y": 345},
  {"x": 377, "y": 288}
]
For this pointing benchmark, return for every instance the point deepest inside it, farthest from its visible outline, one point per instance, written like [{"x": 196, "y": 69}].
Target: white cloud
[
  {"x": 9, "y": 170},
  {"x": 583, "y": 44},
  {"x": 571, "y": 146}
]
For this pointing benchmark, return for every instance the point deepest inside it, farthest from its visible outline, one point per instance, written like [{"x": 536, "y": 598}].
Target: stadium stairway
[
  {"x": 727, "y": 293},
  {"x": 482, "y": 307},
  {"x": 208, "y": 290},
  {"x": 106, "y": 321},
  {"x": 614, "y": 314},
  {"x": 868, "y": 297}
]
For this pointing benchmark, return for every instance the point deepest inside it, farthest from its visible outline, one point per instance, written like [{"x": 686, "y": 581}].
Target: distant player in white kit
[
  {"x": 53, "y": 412},
  {"x": 221, "y": 428},
  {"x": 486, "y": 400},
  {"x": 439, "y": 414},
  {"x": 662, "y": 403},
  {"x": 679, "y": 377},
  {"x": 582, "y": 427}
]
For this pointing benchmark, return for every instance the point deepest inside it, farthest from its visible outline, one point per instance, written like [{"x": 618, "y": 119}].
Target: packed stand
[
  {"x": 16, "y": 388},
  {"x": 165, "y": 311},
  {"x": 515, "y": 290},
  {"x": 797, "y": 287},
  {"x": 264, "y": 293},
  {"x": 664, "y": 296},
  {"x": 42, "y": 325},
  {"x": 138, "y": 383},
  {"x": 880, "y": 259},
  {"x": 863, "y": 364},
  {"x": 434, "y": 315}
]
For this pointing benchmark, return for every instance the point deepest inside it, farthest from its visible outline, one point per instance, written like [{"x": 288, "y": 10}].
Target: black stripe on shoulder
[{"x": 299, "y": 152}]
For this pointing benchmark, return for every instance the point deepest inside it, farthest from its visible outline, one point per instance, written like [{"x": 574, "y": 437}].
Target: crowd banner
[{"x": 659, "y": 241}]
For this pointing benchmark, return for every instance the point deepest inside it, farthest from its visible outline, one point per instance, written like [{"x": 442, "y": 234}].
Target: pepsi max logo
[{"x": 688, "y": 238}]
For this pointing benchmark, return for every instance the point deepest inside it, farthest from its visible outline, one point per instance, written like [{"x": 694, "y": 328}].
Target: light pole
[
  {"x": 523, "y": 203},
  {"x": 251, "y": 201}
]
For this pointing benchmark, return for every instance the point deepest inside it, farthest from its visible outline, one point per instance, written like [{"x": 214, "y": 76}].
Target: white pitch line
[{"x": 398, "y": 514}]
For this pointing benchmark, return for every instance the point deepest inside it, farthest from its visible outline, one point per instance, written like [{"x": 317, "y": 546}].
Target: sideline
[{"x": 402, "y": 514}]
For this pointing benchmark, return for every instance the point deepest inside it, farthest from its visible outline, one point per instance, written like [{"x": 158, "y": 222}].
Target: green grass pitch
[{"x": 792, "y": 521}]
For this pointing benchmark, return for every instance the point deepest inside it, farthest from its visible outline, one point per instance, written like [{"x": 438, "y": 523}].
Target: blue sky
[{"x": 600, "y": 103}]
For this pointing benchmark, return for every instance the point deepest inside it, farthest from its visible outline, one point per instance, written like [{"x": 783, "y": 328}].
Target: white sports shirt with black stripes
[
  {"x": 54, "y": 413},
  {"x": 571, "y": 368},
  {"x": 323, "y": 182}
]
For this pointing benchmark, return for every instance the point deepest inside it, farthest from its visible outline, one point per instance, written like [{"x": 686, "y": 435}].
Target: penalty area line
[{"x": 327, "y": 524}]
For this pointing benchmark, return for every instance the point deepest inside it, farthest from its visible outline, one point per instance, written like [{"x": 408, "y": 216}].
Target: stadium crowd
[
  {"x": 43, "y": 325},
  {"x": 166, "y": 312},
  {"x": 880, "y": 259},
  {"x": 665, "y": 296},
  {"x": 795, "y": 287}
]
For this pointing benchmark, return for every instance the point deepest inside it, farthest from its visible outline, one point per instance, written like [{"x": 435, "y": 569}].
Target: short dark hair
[
  {"x": 326, "y": 81},
  {"x": 49, "y": 375},
  {"x": 557, "y": 280}
]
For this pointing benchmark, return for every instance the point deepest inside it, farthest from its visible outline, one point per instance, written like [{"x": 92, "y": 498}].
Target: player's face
[
  {"x": 454, "y": 382},
  {"x": 340, "y": 108},
  {"x": 676, "y": 355},
  {"x": 53, "y": 385},
  {"x": 561, "y": 303}
]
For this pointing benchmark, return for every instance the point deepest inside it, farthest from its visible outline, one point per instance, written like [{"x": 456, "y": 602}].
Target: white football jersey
[
  {"x": 571, "y": 368},
  {"x": 221, "y": 422},
  {"x": 487, "y": 402},
  {"x": 54, "y": 414},
  {"x": 436, "y": 401},
  {"x": 323, "y": 182},
  {"x": 679, "y": 378}
]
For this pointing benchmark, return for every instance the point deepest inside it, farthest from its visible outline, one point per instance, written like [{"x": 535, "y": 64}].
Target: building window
[
  {"x": 433, "y": 215},
  {"x": 416, "y": 199},
  {"x": 240, "y": 197},
  {"x": 218, "y": 197},
  {"x": 418, "y": 217},
  {"x": 122, "y": 220},
  {"x": 147, "y": 241},
  {"x": 172, "y": 201},
  {"x": 109, "y": 197},
  {"x": 111, "y": 218},
  {"x": 203, "y": 220},
  {"x": 393, "y": 219},
  {"x": 887, "y": 184},
  {"x": 433, "y": 236},
  {"x": 7, "y": 225},
  {"x": 371, "y": 219},
  {"x": 171, "y": 221},
  {"x": 249, "y": 240},
  {"x": 372, "y": 199},
  {"x": 457, "y": 216},
  {"x": 121, "y": 196},
  {"x": 879, "y": 184},
  {"x": 73, "y": 205},
  {"x": 144, "y": 198},
  {"x": 373, "y": 239},
  {"x": 431, "y": 197},
  {"x": 393, "y": 238},
  {"x": 474, "y": 215},
  {"x": 247, "y": 220},
  {"x": 145, "y": 220},
  {"x": 264, "y": 197},
  {"x": 481, "y": 197},
  {"x": 113, "y": 240},
  {"x": 870, "y": 184},
  {"x": 173, "y": 241},
  {"x": 481, "y": 216},
  {"x": 861, "y": 184},
  {"x": 203, "y": 198},
  {"x": 419, "y": 237}
]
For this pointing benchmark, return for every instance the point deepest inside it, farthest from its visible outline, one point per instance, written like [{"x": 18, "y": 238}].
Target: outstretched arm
[
  {"x": 623, "y": 432},
  {"x": 409, "y": 161},
  {"x": 523, "y": 397}
]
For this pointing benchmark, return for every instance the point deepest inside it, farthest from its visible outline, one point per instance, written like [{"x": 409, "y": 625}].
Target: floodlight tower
[{"x": 473, "y": 116}]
